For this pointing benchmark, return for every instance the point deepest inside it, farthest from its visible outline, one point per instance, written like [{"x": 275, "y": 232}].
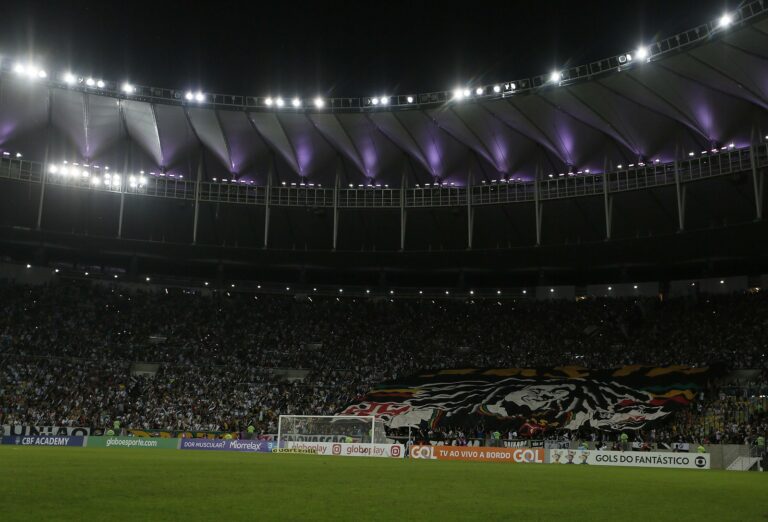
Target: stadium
[{"x": 212, "y": 302}]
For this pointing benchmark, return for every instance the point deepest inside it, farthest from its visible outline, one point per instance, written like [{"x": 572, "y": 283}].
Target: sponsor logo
[
  {"x": 630, "y": 458},
  {"x": 131, "y": 443},
  {"x": 422, "y": 452},
  {"x": 349, "y": 450}
]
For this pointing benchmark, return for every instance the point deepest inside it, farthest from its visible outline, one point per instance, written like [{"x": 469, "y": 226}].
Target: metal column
[
  {"x": 470, "y": 211},
  {"x": 268, "y": 198},
  {"x": 336, "y": 204},
  {"x": 402, "y": 210},
  {"x": 120, "y": 217},
  {"x": 757, "y": 183},
  {"x": 198, "y": 182},
  {"x": 537, "y": 204},
  {"x": 680, "y": 192},
  {"x": 607, "y": 200},
  {"x": 45, "y": 161}
]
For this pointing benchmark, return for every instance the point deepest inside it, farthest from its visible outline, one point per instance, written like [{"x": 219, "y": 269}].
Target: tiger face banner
[{"x": 533, "y": 400}]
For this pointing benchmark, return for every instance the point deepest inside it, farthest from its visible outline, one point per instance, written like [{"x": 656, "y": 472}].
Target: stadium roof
[
  {"x": 695, "y": 91},
  {"x": 702, "y": 90}
]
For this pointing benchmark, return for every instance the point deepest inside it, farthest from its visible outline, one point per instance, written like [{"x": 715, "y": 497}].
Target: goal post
[{"x": 330, "y": 428}]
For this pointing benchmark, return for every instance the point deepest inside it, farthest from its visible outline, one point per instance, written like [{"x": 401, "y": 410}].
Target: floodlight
[
  {"x": 53, "y": 169},
  {"x": 409, "y": 99},
  {"x": 296, "y": 102},
  {"x": 497, "y": 89},
  {"x": 279, "y": 102},
  {"x": 100, "y": 84},
  {"x": 466, "y": 93},
  {"x": 95, "y": 181},
  {"x": 641, "y": 53},
  {"x": 128, "y": 88},
  {"x": 189, "y": 96},
  {"x": 385, "y": 100},
  {"x": 269, "y": 102},
  {"x": 19, "y": 68},
  {"x": 458, "y": 94},
  {"x": 90, "y": 82},
  {"x": 725, "y": 20},
  {"x": 375, "y": 101},
  {"x": 479, "y": 91},
  {"x": 199, "y": 97},
  {"x": 18, "y": 154},
  {"x": 142, "y": 180},
  {"x": 555, "y": 76},
  {"x": 69, "y": 78},
  {"x": 319, "y": 103},
  {"x": 42, "y": 74}
]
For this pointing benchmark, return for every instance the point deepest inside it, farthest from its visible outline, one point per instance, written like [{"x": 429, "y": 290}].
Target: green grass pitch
[{"x": 132, "y": 484}]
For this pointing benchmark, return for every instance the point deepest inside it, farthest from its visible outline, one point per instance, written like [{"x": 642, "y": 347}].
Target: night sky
[{"x": 342, "y": 49}]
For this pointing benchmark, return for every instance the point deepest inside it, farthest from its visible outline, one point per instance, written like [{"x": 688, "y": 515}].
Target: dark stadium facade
[{"x": 648, "y": 164}]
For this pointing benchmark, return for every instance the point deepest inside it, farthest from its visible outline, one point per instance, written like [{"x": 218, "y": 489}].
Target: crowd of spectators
[{"x": 68, "y": 351}]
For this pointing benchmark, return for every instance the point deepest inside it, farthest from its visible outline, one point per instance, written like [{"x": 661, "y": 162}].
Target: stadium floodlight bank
[{"x": 330, "y": 428}]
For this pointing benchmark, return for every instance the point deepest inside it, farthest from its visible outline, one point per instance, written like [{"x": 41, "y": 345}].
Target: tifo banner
[
  {"x": 342, "y": 449},
  {"x": 133, "y": 442},
  {"x": 174, "y": 434},
  {"x": 655, "y": 459},
  {"x": 532, "y": 400},
  {"x": 45, "y": 440},
  {"x": 480, "y": 454},
  {"x": 23, "y": 429},
  {"x": 227, "y": 445}
]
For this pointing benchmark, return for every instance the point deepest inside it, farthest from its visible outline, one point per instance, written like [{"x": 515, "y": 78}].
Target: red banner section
[{"x": 479, "y": 454}]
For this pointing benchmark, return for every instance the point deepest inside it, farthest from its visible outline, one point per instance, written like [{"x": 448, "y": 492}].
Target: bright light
[
  {"x": 29, "y": 266},
  {"x": 142, "y": 180},
  {"x": 19, "y": 68},
  {"x": 466, "y": 93},
  {"x": 385, "y": 100},
  {"x": 410, "y": 99},
  {"x": 53, "y": 169},
  {"x": 479, "y": 91},
  {"x": 296, "y": 102},
  {"x": 551, "y": 290},
  {"x": 148, "y": 280},
  {"x": 610, "y": 288},
  {"x": 100, "y": 84},
  {"x": 497, "y": 89},
  {"x": 69, "y": 78},
  {"x": 42, "y": 74},
  {"x": 525, "y": 291},
  {"x": 634, "y": 286},
  {"x": 375, "y": 101},
  {"x": 555, "y": 76},
  {"x": 128, "y": 88},
  {"x": 95, "y": 181},
  {"x": 641, "y": 53},
  {"x": 498, "y": 292},
  {"x": 18, "y": 154},
  {"x": 279, "y": 102},
  {"x": 725, "y": 20},
  {"x": 269, "y": 102},
  {"x": 458, "y": 94},
  {"x": 189, "y": 96},
  {"x": 199, "y": 97},
  {"x": 319, "y": 103}
]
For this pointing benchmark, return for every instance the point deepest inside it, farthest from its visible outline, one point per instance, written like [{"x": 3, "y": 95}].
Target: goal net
[{"x": 330, "y": 428}]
